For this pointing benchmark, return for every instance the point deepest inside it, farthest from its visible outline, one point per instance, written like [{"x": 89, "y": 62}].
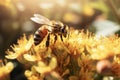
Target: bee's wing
[{"x": 40, "y": 19}]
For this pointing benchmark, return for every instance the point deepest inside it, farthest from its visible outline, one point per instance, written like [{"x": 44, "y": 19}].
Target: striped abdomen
[{"x": 39, "y": 35}]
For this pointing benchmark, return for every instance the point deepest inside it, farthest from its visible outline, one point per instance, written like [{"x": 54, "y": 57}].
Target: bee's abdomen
[{"x": 38, "y": 37}]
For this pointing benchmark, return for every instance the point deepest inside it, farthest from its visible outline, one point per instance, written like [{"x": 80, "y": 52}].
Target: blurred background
[{"x": 101, "y": 17}]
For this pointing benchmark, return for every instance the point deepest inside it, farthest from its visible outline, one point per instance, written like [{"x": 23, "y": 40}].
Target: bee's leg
[
  {"x": 61, "y": 37},
  {"x": 48, "y": 40},
  {"x": 55, "y": 38}
]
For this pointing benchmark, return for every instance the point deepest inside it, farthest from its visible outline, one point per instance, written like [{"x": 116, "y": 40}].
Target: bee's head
[{"x": 61, "y": 27}]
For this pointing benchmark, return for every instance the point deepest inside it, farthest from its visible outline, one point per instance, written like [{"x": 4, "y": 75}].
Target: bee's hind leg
[{"x": 48, "y": 40}]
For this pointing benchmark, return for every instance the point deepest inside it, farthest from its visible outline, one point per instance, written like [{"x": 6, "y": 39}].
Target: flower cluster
[{"x": 81, "y": 56}]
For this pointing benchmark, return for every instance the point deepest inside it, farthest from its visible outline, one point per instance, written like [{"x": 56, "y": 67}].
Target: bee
[{"x": 48, "y": 27}]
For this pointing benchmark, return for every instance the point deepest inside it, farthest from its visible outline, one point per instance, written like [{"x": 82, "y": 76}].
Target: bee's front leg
[
  {"x": 61, "y": 37},
  {"x": 55, "y": 38}
]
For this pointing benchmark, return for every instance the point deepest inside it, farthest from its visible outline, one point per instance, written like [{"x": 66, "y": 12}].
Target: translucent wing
[{"x": 40, "y": 19}]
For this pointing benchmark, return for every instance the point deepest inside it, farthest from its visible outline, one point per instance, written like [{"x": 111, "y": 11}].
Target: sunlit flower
[
  {"x": 5, "y": 70},
  {"x": 31, "y": 75},
  {"x": 23, "y": 47},
  {"x": 43, "y": 68},
  {"x": 75, "y": 58},
  {"x": 87, "y": 67},
  {"x": 104, "y": 47}
]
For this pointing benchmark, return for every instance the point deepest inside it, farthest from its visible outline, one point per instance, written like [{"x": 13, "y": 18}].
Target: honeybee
[{"x": 48, "y": 27}]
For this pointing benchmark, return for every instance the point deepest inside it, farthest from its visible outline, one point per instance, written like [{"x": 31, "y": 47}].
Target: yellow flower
[
  {"x": 104, "y": 47},
  {"x": 74, "y": 58},
  {"x": 87, "y": 67},
  {"x": 32, "y": 76},
  {"x": 42, "y": 68},
  {"x": 5, "y": 70},
  {"x": 23, "y": 47}
]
